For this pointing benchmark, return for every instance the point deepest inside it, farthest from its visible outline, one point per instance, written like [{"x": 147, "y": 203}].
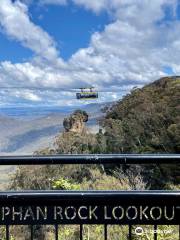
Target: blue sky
[
  {"x": 112, "y": 45},
  {"x": 70, "y": 26}
]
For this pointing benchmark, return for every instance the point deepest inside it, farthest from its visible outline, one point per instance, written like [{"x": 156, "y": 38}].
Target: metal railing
[{"x": 106, "y": 208}]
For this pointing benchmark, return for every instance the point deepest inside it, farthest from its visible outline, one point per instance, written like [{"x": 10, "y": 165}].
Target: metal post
[
  {"x": 105, "y": 232},
  {"x": 155, "y": 232},
  {"x": 7, "y": 232},
  {"x": 56, "y": 232},
  {"x": 81, "y": 232},
  {"x": 130, "y": 232},
  {"x": 32, "y": 230}
]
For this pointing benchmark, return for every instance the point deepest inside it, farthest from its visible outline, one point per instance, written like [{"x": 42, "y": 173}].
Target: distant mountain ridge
[
  {"x": 41, "y": 111},
  {"x": 25, "y": 130}
]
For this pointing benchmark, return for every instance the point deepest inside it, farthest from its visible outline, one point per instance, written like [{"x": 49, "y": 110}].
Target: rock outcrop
[
  {"x": 75, "y": 139},
  {"x": 76, "y": 122}
]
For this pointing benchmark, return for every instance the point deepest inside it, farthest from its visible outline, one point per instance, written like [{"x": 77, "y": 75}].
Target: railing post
[
  {"x": 130, "y": 232},
  {"x": 155, "y": 232},
  {"x": 7, "y": 232},
  {"x": 81, "y": 232},
  {"x": 32, "y": 232},
  {"x": 56, "y": 232},
  {"x": 105, "y": 232}
]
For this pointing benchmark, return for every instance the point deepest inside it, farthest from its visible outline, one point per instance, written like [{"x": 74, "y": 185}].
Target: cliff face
[{"x": 76, "y": 122}]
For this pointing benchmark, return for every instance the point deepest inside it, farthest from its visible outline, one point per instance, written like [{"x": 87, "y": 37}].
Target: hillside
[{"x": 147, "y": 120}]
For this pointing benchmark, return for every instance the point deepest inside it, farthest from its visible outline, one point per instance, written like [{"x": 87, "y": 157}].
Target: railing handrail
[
  {"x": 79, "y": 193},
  {"x": 91, "y": 159}
]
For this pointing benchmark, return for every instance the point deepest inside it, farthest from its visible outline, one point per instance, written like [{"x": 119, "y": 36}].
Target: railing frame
[
  {"x": 103, "y": 198},
  {"x": 91, "y": 159}
]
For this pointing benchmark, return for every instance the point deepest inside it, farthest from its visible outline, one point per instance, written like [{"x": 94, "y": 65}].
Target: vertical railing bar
[
  {"x": 7, "y": 232},
  {"x": 32, "y": 232},
  {"x": 105, "y": 232},
  {"x": 155, "y": 232},
  {"x": 130, "y": 232},
  {"x": 56, "y": 232},
  {"x": 81, "y": 232}
]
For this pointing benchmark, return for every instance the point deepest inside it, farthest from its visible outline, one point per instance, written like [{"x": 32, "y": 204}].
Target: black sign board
[{"x": 98, "y": 207}]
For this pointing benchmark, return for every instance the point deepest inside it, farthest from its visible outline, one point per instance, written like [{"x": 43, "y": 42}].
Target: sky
[{"x": 50, "y": 48}]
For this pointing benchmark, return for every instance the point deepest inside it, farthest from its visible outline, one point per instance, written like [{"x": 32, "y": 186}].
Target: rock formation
[
  {"x": 75, "y": 139},
  {"x": 76, "y": 122}
]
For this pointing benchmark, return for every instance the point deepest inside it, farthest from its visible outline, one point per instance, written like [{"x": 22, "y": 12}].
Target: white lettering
[
  {"x": 118, "y": 209},
  {"x": 92, "y": 212}
]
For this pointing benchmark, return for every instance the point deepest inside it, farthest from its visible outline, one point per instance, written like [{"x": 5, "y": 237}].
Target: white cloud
[
  {"x": 95, "y": 6},
  {"x": 30, "y": 74},
  {"x": 16, "y": 23},
  {"x": 134, "y": 48},
  {"x": 55, "y": 2},
  {"x": 131, "y": 51},
  {"x": 27, "y": 95}
]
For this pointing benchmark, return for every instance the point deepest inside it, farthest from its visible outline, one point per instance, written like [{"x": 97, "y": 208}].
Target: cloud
[
  {"x": 27, "y": 95},
  {"x": 134, "y": 49},
  {"x": 16, "y": 23},
  {"x": 30, "y": 74},
  {"x": 54, "y": 2},
  {"x": 96, "y": 6}
]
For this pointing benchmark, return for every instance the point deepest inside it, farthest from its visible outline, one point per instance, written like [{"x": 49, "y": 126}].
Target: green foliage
[
  {"x": 65, "y": 184},
  {"x": 75, "y": 143},
  {"x": 3, "y": 234},
  {"x": 168, "y": 232},
  {"x": 69, "y": 232},
  {"x": 116, "y": 180},
  {"x": 91, "y": 232},
  {"x": 147, "y": 121},
  {"x": 118, "y": 232}
]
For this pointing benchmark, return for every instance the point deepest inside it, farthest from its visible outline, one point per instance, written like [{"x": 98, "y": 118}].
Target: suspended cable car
[{"x": 87, "y": 93}]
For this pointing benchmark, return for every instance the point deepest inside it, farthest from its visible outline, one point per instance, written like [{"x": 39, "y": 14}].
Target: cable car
[{"x": 87, "y": 93}]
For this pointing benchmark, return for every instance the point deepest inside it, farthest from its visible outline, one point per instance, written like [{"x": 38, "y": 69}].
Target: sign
[
  {"x": 152, "y": 208},
  {"x": 89, "y": 214}
]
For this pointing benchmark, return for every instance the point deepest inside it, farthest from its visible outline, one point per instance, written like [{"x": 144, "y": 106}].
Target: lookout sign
[{"x": 90, "y": 208}]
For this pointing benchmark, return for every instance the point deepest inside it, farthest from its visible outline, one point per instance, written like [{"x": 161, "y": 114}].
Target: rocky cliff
[{"x": 76, "y": 122}]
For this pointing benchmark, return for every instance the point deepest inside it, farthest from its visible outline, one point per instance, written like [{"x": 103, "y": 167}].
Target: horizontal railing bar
[
  {"x": 92, "y": 159},
  {"x": 55, "y": 194}
]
